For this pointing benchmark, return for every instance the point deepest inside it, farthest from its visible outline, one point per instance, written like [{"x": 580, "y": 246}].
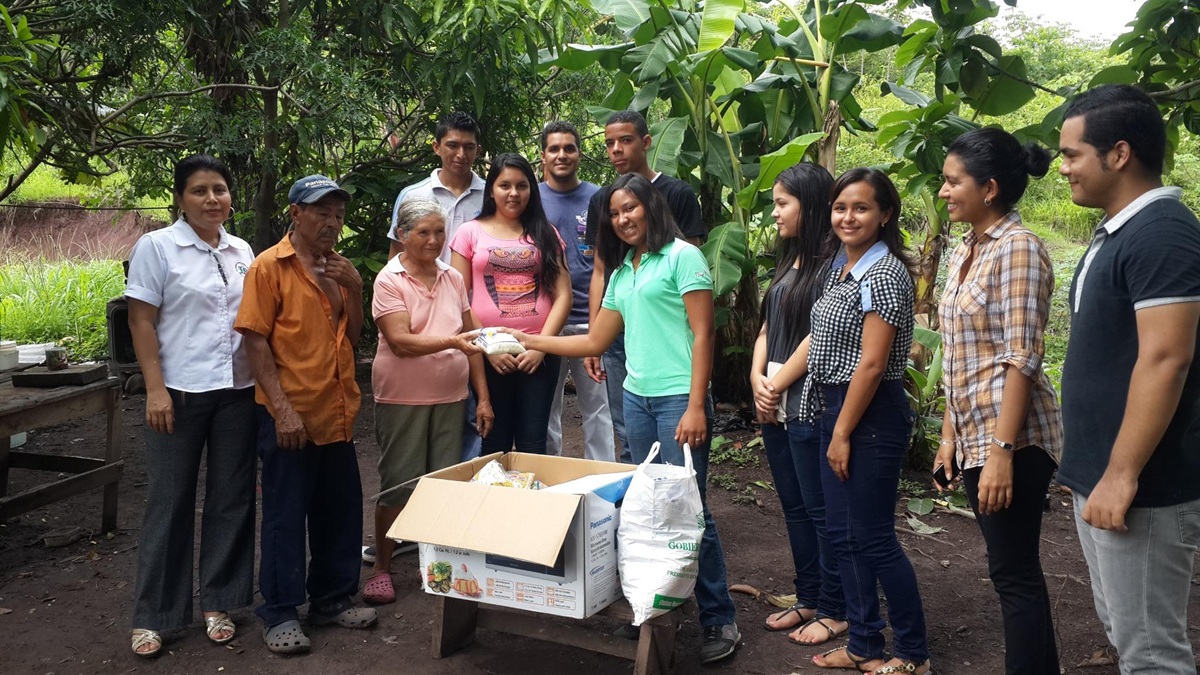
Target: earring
[
  {"x": 231, "y": 211},
  {"x": 987, "y": 201}
]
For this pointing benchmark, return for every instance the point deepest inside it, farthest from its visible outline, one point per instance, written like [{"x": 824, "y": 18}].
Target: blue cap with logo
[{"x": 311, "y": 189}]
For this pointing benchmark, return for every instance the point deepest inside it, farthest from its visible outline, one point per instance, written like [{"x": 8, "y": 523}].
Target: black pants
[
  {"x": 310, "y": 496},
  {"x": 1014, "y": 564},
  {"x": 521, "y": 403}
]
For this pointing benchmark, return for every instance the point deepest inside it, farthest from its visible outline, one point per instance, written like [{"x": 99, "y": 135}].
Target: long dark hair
[
  {"x": 810, "y": 184},
  {"x": 535, "y": 228},
  {"x": 888, "y": 199},
  {"x": 660, "y": 224},
  {"x": 989, "y": 153}
]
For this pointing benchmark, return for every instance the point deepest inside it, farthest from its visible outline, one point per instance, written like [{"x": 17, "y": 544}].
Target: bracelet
[
  {"x": 1009, "y": 447},
  {"x": 946, "y": 441}
]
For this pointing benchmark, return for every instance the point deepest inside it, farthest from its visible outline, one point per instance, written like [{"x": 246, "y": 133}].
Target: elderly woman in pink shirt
[{"x": 420, "y": 375}]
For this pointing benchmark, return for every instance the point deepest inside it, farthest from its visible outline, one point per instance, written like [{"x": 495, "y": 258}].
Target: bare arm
[
  {"x": 794, "y": 368},
  {"x": 596, "y": 289},
  {"x": 602, "y": 332},
  {"x": 693, "y": 426},
  {"x": 484, "y": 417},
  {"x": 289, "y": 429},
  {"x": 877, "y": 337},
  {"x": 1166, "y": 347},
  {"x": 397, "y": 332},
  {"x": 531, "y": 359},
  {"x": 143, "y": 326}
]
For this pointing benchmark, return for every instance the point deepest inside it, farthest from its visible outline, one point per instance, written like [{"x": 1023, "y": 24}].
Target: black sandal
[
  {"x": 797, "y": 608},
  {"x": 820, "y": 621},
  {"x": 856, "y": 661}
]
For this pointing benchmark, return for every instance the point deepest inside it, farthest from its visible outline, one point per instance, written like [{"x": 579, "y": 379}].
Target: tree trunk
[
  {"x": 264, "y": 201},
  {"x": 827, "y": 148}
]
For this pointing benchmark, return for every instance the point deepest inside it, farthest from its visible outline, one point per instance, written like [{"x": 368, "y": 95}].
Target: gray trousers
[
  {"x": 1141, "y": 580},
  {"x": 224, "y": 421}
]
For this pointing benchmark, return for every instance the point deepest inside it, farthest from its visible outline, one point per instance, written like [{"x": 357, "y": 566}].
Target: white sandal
[
  {"x": 219, "y": 624},
  {"x": 143, "y": 637}
]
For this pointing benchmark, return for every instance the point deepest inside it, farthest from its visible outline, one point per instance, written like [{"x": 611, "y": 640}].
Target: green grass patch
[
  {"x": 1065, "y": 253},
  {"x": 62, "y": 302}
]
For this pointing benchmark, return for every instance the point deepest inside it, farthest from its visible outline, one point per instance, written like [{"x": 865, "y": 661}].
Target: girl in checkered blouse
[{"x": 858, "y": 347}]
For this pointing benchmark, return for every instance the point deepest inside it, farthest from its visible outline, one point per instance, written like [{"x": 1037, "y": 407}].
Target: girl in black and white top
[{"x": 862, "y": 330}]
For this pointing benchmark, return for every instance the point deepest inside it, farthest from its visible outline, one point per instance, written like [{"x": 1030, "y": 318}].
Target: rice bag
[
  {"x": 494, "y": 474},
  {"x": 494, "y": 342}
]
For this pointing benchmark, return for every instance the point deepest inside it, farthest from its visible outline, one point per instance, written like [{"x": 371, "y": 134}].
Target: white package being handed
[
  {"x": 658, "y": 540},
  {"x": 495, "y": 342}
]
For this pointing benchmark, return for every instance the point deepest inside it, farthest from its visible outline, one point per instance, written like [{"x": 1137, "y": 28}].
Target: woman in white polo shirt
[{"x": 184, "y": 289}]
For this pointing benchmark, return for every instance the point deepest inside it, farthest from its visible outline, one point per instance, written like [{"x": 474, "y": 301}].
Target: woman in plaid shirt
[{"x": 1002, "y": 424}]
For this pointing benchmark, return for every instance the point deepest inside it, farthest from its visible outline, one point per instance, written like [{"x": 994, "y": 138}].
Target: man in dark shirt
[
  {"x": 627, "y": 139},
  {"x": 1131, "y": 384}
]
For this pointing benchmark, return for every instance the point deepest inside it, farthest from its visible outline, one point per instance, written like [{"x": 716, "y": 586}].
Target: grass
[
  {"x": 1065, "y": 253},
  {"x": 62, "y": 302}
]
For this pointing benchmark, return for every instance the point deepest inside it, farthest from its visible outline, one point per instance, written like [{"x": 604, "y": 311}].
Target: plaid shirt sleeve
[{"x": 1024, "y": 271}]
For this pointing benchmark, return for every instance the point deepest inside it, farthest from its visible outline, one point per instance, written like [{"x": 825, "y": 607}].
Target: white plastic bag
[{"x": 658, "y": 540}]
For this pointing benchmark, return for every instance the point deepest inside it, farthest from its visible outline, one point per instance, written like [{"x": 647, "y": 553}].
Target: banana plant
[{"x": 744, "y": 98}]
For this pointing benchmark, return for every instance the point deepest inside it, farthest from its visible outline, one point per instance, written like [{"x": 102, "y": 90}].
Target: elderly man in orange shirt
[{"x": 301, "y": 315}]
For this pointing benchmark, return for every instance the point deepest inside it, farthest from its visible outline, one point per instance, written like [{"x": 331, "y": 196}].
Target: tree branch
[
  {"x": 14, "y": 182},
  {"x": 198, "y": 90}
]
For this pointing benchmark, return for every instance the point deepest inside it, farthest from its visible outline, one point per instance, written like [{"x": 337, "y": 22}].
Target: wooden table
[
  {"x": 455, "y": 621},
  {"x": 25, "y": 408}
]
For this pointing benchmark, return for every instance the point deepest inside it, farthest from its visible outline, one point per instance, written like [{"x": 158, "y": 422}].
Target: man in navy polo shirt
[{"x": 1131, "y": 384}]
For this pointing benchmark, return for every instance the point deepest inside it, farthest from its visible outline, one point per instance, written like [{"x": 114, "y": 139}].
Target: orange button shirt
[{"x": 315, "y": 361}]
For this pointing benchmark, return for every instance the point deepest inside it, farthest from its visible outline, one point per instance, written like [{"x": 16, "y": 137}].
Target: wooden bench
[{"x": 455, "y": 621}]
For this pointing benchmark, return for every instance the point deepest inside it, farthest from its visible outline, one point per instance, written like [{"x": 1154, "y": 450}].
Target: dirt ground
[{"x": 66, "y": 610}]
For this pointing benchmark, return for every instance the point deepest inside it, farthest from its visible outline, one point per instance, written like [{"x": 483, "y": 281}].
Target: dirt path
[{"x": 66, "y": 610}]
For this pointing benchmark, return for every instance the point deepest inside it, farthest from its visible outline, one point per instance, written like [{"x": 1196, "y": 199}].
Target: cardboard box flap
[{"x": 527, "y": 525}]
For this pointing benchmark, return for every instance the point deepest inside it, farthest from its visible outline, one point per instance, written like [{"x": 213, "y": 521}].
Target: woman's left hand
[
  {"x": 530, "y": 360},
  {"x": 693, "y": 427},
  {"x": 484, "y": 418},
  {"x": 839, "y": 457},
  {"x": 996, "y": 483}
]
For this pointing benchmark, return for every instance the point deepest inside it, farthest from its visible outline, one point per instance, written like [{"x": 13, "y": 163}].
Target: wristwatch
[{"x": 1008, "y": 447}]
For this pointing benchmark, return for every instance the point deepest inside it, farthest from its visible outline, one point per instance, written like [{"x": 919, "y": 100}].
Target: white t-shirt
[{"x": 197, "y": 290}]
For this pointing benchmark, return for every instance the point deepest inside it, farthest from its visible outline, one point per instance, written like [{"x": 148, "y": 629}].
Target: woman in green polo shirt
[{"x": 661, "y": 296}]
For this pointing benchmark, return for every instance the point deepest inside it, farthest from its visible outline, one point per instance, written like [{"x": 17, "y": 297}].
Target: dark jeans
[
  {"x": 614, "y": 379},
  {"x": 794, "y": 454},
  {"x": 223, "y": 422},
  {"x": 318, "y": 484},
  {"x": 521, "y": 403},
  {"x": 861, "y": 519},
  {"x": 1015, "y": 566},
  {"x": 654, "y": 418}
]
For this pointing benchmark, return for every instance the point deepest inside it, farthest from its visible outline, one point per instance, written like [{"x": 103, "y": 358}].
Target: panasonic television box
[{"x": 552, "y": 550}]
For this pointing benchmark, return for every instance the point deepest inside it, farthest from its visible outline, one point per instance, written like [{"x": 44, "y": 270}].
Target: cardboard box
[{"x": 552, "y": 551}]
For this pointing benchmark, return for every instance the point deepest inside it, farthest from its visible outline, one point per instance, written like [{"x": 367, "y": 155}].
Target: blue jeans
[
  {"x": 654, "y": 418},
  {"x": 472, "y": 444},
  {"x": 1141, "y": 580},
  {"x": 521, "y": 403},
  {"x": 861, "y": 520},
  {"x": 794, "y": 455},
  {"x": 314, "y": 491},
  {"x": 613, "y": 361}
]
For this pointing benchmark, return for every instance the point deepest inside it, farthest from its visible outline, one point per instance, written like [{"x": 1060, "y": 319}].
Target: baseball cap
[{"x": 311, "y": 189}]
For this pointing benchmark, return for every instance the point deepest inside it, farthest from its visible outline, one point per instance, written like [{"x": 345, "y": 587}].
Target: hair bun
[{"x": 1037, "y": 159}]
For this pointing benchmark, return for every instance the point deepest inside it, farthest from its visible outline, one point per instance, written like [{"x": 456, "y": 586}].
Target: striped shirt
[{"x": 992, "y": 318}]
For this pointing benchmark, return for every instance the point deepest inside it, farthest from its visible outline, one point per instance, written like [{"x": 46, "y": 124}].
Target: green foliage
[
  {"x": 61, "y": 302},
  {"x": 923, "y": 385},
  {"x": 740, "y": 454}
]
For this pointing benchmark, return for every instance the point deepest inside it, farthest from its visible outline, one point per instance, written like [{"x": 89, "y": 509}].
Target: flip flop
[
  {"x": 820, "y": 621},
  {"x": 856, "y": 662},
  {"x": 286, "y": 638},
  {"x": 797, "y": 608},
  {"x": 379, "y": 590},
  {"x": 353, "y": 617},
  {"x": 142, "y": 637},
  {"x": 214, "y": 625}
]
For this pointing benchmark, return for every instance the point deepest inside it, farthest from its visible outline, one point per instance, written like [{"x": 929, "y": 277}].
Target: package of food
[
  {"x": 495, "y": 342},
  {"x": 494, "y": 474}
]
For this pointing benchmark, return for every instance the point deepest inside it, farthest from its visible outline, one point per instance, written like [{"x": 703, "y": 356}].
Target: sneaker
[
  {"x": 719, "y": 642},
  {"x": 402, "y": 547}
]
